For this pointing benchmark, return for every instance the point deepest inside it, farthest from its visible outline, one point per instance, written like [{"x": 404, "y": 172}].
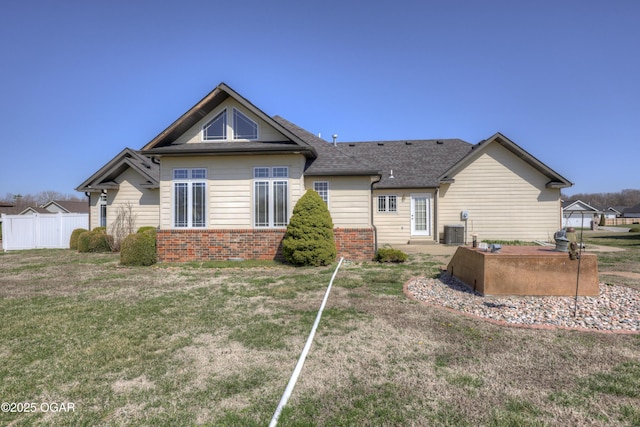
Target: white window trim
[
  {"x": 322, "y": 182},
  {"x": 271, "y": 180},
  {"x": 230, "y": 129},
  {"x": 102, "y": 201},
  {"x": 189, "y": 181},
  {"x": 386, "y": 210}
]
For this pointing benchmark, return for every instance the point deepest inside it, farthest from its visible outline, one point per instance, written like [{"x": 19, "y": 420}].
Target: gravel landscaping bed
[{"x": 616, "y": 309}]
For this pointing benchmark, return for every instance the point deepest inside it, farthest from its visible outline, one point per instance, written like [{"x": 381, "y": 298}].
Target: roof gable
[
  {"x": 34, "y": 210},
  {"x": 578, "y": 205},
  {"x": 172, "y": 140},
  {"x": 555, "y": 179},
  {"x": 104, "y": 178}
]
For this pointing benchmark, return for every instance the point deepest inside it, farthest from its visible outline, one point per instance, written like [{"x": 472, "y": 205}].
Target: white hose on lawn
[{"x": 303, "y": 355}]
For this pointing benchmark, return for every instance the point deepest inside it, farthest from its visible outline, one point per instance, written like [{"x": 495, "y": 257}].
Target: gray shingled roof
[
  {"x": 415, "y": 163},
  {"x": 72, "y": 206},
  {"x": 331, "y": 160}
]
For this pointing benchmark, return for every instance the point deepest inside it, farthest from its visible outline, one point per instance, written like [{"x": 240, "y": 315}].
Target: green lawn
[{"x": 215, "y": 343}]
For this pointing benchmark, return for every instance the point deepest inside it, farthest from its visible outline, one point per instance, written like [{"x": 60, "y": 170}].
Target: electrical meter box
[{"x": 464, "y": 215}]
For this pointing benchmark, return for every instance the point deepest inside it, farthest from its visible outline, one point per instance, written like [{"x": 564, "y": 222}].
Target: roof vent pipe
[{"x": 335, "y": 137}]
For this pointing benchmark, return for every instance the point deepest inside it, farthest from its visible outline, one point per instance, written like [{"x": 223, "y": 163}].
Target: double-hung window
[
  {"x": 270, "y": 196},
  {"x": 322, "y": 188},
  {"x": 189, "y": 198},
  {"x": 388, "y": 203}
]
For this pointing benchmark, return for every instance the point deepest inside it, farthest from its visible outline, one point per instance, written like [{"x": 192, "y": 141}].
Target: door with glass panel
[{"x": 420, "y": 214}]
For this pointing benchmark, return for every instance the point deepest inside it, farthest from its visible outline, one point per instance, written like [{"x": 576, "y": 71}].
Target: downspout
[
  {"x": 436, "y": 233},
  {"x": 373, "y": 226},
  {"x": 88, "y": 194}
]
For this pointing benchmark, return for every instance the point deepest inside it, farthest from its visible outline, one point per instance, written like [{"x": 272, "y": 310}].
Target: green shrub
[
  {"x": 83, "y": 241},
  {"x": 73, "y": 241},
  {"x": 95, "y": 240},
  {"x": 100, "y": 242},
  {"x": 390, "y": 255},
  {"x": 139, "y": 248},
  {"x": 309, "y": 238},
  {"x": 146, "y": 228}
]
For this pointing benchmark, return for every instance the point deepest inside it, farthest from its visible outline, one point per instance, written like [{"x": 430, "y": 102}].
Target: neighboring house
[
  {"x": 221, "y": 182},
  {"x": 632, "y": 212},
  {"x": 579, "y": 214},
  {"x": 613, "y": 212},
  {"x": 8, "y": 208},
  {"x": 34, "y": 210},
  {"x": 58, "y": 206},
  {"x": 66, "y": 206}
]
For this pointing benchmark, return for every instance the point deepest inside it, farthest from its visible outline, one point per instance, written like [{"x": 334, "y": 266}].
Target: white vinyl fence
[{"x": 40, "y": 230}]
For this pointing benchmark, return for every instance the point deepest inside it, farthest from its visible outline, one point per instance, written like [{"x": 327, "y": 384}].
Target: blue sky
[{"x": 81, "y": 80}]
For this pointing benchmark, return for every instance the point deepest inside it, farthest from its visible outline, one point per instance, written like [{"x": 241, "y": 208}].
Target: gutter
[
  {"x": 375, "y": 230},
  {"x": 88, "y": 194}
]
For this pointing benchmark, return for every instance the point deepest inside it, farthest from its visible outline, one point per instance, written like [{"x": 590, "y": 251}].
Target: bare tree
[
  {"x": 627, "y": 198},
  {"x": 123, "y": 225},
  {"x": 44, "y": 197},
  {"x": 32, "y": 200}
]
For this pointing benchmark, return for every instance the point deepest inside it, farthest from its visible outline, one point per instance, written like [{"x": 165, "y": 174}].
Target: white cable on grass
[{"x": 303, "y": 355}]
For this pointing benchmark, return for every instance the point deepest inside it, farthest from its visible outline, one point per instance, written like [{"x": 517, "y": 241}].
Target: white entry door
[{"x": 420, "y": 210}]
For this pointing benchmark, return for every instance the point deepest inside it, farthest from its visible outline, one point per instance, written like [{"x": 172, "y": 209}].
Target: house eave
[
  {"x": 557, "y": 184},
  {"x": 229, "y": 151},
  {"x": 343, "y": 173}
]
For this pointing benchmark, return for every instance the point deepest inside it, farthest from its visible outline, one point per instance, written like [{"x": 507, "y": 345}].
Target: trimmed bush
[
  {"x": 73, "y": 240},
  {"x": 390, "y": 255},
  {"x": 139, "y": 248},
  {"x": 83, "y": 241},
  {"x": 309, "y": 238},
  {"x": 95, "y": 240},
  {"x": 146, "y": 228}
]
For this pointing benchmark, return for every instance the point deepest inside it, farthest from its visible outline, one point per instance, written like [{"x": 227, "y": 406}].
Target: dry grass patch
[{"x": 200, "y": 344}]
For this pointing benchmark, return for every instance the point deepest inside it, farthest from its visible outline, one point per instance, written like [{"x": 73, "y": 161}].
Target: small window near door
[{"x": 388, "y": 203}]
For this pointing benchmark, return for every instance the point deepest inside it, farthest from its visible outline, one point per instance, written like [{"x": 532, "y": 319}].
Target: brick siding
[{"x": 354, "y": 244}]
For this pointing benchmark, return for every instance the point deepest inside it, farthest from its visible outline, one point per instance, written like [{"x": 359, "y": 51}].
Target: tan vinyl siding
[
  {"x": 144, "y": 201},
  {"x": 265, "y": 132},
  {"x": 349, "y": 200},
  {"x": 229, "y": 186},
  {"x": 394, "y": 228},
  {"x": 94, "y": 212},
  {"x": 507, "y": 199}
]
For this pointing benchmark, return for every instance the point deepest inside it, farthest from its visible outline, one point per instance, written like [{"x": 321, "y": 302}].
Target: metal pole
[
  {"x": 303, "y": 355},
  {"x": 575, "y": 303}
]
